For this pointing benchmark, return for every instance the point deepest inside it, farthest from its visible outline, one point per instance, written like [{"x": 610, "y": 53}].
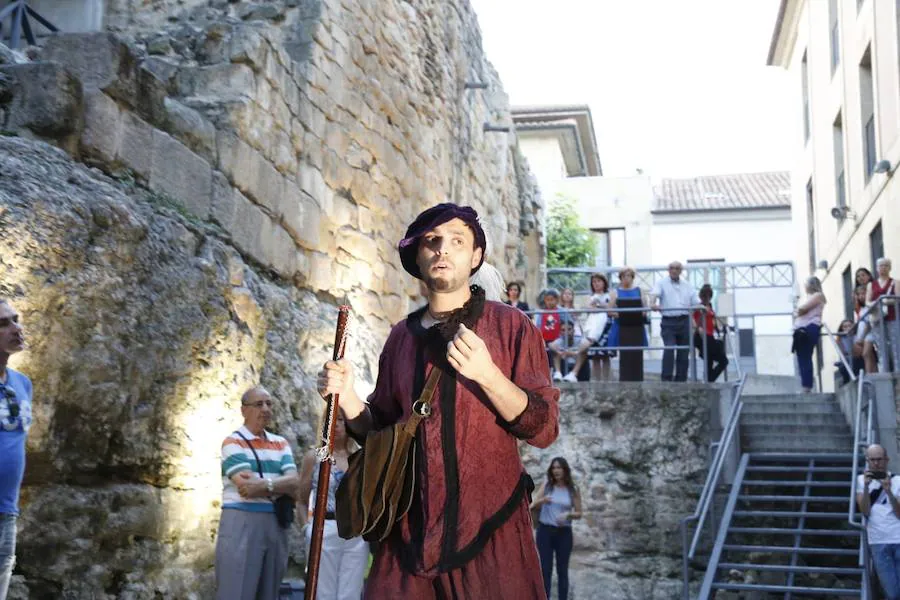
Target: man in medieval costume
[{"x": 468, "y": 534}]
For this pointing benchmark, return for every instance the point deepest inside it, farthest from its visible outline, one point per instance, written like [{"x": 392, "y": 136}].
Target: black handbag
[{"x": 284, "y": 504}]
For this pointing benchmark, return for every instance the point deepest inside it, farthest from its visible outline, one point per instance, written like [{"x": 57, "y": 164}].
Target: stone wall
[
  {"x": 312, "y": 132},
  {"x": 639, "y": 455},
  {"x": 224, "y": 174}
]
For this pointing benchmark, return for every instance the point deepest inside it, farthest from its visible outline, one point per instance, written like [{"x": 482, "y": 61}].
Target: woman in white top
[
  {"x": 342, "y": 568},
  {"x": 559, "y": 502},
  {"x": 807, "y": 326}
]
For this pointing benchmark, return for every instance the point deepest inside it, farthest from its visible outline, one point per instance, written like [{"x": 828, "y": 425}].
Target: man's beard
[{"x": 442, "y": 284}]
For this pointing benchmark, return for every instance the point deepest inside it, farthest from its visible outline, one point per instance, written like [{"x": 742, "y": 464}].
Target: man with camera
[
  {"x": 15, "y": 419},
  {"x": 260, "y": 486},
  {"x": 877, "y": 500}
]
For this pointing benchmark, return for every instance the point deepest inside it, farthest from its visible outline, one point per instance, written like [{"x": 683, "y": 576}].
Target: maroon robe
[{"x": 470, "y": 516}]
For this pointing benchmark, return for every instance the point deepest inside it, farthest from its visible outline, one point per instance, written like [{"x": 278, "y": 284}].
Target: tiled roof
[{"x": 724, "y": 192}]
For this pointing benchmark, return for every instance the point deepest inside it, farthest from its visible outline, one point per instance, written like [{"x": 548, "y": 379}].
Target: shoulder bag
[
  {"x": 377, "y": 489},
  {"x": 284, "y": 504}
]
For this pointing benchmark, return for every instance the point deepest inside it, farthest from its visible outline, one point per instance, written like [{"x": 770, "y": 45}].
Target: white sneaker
[
  {"x": 570, "y": 377},
  {"x": 556, "y": 375}
]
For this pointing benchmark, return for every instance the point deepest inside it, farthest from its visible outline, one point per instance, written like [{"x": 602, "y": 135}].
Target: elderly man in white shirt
[{"x": 674, "y": 297}]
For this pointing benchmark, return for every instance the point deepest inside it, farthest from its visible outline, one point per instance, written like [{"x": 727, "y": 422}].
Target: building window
[
  {"x": 835, "y": 35},
  {"x": 876, "y": 245},
  {"x": 867, "y": 110},
  {"x": 811, "y": 225},
  {"x": 804, "y": 75},
  {"x": 849, "y": 296},
  {"x": 838, "y": 142},
  {"x": 609, "y": 247}
]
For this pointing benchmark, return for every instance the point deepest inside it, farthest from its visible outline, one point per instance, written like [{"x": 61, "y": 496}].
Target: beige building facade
[{"x": 845, "y": 58}]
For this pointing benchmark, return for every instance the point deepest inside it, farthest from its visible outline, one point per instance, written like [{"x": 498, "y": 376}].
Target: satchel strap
[
  {"x": 422, "y": 407},
  {"x": 255, "y": 455}
]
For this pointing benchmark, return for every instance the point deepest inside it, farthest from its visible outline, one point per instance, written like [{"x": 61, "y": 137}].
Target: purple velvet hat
[{"x": 428, "y": 220}]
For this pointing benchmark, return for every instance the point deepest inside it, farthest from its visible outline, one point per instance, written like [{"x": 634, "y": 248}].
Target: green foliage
[{"x": 568, "y": 243}]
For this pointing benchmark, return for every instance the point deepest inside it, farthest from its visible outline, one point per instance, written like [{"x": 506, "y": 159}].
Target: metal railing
[
  {"x": 770, "y": 352},
  {"x": 571, "y": 314},
  {"x": 837, "y": 348},
  {"x": 707, "y": 495},
  {"x": 720, "y": 275},
  {"x": 19, "y": 12},
  {"x": 864, "y": 405},
  {"x": 733, "y": 345},
  {"x": 888, "y": 331}
]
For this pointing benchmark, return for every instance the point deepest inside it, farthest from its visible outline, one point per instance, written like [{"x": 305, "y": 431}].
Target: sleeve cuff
[{"x": 531, "y": 420}]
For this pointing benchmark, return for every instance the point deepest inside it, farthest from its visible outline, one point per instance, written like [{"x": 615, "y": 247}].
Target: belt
[
  {"x": 676, "y": 317},
  {"x": 329, "y": 516}
]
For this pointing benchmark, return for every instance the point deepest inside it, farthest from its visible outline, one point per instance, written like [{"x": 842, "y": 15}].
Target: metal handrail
[
  {"x": 863, "y": 402},
  {"x": 692, "y": 362},
  {"x": 840, "y": 352},
  {"x": 735, "y": 350},
  {"x": 708, "y": 493},
  {"x": 884, "y": 353}
]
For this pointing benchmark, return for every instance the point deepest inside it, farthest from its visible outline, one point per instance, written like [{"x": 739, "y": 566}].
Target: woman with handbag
[
  {"x": 343, "y": 562},
  {"x": 807, "y": 327},
  {"x": 559, "y": 502}
]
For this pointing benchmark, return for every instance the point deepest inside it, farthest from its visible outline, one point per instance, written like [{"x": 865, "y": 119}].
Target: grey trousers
[{"x": 251, "y": 556}]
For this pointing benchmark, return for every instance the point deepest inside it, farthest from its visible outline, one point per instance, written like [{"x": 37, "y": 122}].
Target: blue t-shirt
[{"x": 12, "y": 439}]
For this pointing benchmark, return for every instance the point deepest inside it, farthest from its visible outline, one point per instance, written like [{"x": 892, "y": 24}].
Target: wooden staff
[{"x": 324, "y": 454}]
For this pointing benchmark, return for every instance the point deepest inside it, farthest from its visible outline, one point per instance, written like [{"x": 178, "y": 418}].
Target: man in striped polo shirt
[{"x": 257, "y": 466}]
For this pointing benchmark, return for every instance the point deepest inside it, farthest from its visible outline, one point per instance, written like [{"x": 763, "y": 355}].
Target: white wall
[
  {"x": 739, "y": 236},
  {"x": 78, "y": 16},
  {"x": 545, "y": 158},
  {"x": 613, "y": 203}
]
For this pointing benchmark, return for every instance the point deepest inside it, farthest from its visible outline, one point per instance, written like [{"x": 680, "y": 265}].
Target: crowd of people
[
  {"x": 612, "y": 323},
  {"x": 871, "y": 339}
]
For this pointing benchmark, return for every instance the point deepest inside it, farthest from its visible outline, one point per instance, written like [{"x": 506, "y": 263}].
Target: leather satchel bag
[{"x": 377, "y": 489}]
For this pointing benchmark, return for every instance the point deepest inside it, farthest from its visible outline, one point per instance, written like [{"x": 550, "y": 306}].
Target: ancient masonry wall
[
  {"x": 224, "y": 173},
  {"x": 311, "y": 132}
]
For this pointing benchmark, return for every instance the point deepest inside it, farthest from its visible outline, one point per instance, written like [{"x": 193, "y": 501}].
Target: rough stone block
[
  {"x": 100, "y": 60},
  {"x": 320, "y": 272},
  {"x": 216, "y": 82},
  {"x": 357, "y": 244},
  {"x": 247, "y": 46},
  {"x": 300, "y": 216},
  {"x": 280, "y": 251},
  {"x": 191, "y": 127},
  {"x": 181, "y": 174},
  {"x": 245, "y": 222},
  {"x": 102, "y": 127},
  {"x": 249, "y": 171},
  {"x": 136, "y": 145},
  {"x": 45, "y": 98},
  {"x": 337, "y": 173},
  {"x": 312, "y": 182}
]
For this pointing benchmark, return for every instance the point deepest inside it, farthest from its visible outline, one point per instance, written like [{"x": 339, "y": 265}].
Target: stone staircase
[
  {"x": 784, "y": 532},
  {"x": 794, "y": 423}
]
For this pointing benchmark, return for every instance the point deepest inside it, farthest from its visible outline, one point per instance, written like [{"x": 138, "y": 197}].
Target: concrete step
[
  {"x": 803, "y": 398},
  {"x": 804, "y": 442},
  {"x": 752, "y": 430},
  {"x": 771, "y": 384},
  {"x": 786, "y": 418},
  {"x": 800, "y": 408}
]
